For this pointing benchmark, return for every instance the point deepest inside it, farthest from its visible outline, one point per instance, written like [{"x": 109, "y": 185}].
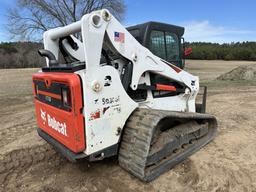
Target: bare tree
[{"x": 30, "y": 18}]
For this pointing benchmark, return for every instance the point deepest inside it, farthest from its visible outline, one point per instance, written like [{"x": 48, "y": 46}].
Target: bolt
[
  {"x": 134, "y": 57},
  {"x": 96, "y": 86},
  {"x": 118, "y": 131}
]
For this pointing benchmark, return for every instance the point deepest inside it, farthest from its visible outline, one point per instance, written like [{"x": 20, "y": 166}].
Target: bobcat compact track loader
[{"x": 112, "y": 96}]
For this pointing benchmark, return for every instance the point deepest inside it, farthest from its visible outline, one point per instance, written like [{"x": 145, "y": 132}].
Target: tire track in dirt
[
  {"x": 15, "y": 163},
  {"x": 188, "y": 172},
  {"x": 11, "y": 133}
]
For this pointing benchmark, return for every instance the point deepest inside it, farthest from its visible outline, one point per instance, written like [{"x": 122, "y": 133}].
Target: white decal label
[
  {"x": 43, "y": 116},
  {"x": 53, "y": 123}
]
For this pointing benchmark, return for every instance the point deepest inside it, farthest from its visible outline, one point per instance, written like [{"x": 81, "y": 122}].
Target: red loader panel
[{"x": 58, "y": 104}]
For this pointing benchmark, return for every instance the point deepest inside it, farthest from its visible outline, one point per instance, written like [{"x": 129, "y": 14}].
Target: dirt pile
[{"x": 240, "y": 73}]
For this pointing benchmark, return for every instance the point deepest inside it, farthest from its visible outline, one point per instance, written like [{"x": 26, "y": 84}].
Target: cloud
[{"x": 206, "y": 32}]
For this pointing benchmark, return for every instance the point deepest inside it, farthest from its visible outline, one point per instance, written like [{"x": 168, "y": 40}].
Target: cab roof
[{"x": 159, "y": 26}]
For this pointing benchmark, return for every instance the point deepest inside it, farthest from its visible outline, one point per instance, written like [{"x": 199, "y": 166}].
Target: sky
[{"x": 221, "y": 21}]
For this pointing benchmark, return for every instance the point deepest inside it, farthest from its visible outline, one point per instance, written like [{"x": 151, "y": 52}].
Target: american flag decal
[{"x": 119, "y": 37}]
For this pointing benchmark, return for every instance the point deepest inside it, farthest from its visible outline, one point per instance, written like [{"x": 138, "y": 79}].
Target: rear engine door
[{"x": 59, "y": 105}]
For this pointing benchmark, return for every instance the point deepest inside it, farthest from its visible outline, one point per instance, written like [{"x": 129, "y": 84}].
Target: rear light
[{"x": 66, "y": 97}]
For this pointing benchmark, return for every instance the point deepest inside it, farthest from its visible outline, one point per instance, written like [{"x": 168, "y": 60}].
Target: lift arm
[{"x": 100, "y": 27}]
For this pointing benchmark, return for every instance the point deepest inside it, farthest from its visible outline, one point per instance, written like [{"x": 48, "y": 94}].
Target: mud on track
[{"x": 27, "y": 163}]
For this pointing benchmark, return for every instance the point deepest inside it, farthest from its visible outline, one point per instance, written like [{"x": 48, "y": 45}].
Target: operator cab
[{"x": 163, "y": 40}]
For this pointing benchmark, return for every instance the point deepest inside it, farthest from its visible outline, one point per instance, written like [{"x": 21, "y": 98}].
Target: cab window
[
  {"x": 165, "y": 45},
  {"x": 157, "y": 43},
  {"x": 172, "y": 46}
]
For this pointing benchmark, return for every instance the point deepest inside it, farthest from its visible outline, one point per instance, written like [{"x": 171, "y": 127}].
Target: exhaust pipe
[{"x": 49, "y": 55}]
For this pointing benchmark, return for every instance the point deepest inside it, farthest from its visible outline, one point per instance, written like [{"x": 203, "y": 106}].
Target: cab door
[{"x": 166, "y": 45}]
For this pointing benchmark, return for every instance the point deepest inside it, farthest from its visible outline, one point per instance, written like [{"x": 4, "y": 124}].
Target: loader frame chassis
[
  {"x": 105, "y": 116},
  {"x": 74, "y": 157},
  {"x": 98, "y": 30}
]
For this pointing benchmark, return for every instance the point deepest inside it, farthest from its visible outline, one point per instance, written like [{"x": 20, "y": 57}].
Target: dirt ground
[{"x": 27, "y": 163}]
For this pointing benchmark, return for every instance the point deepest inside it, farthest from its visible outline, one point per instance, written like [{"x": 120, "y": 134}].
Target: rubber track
[{"x": 137, "y": 137}]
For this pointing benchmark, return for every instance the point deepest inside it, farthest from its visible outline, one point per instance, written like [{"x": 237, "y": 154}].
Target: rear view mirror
[{"x": 188, "y": 51}]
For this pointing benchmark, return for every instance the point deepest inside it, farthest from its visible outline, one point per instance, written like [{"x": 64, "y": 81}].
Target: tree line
[
  {"x": 24, "y": 54},
  {"x": 20, "y": 55},
  {"x": 28, "y": 19},
  {"x": 214, "y": 51}
]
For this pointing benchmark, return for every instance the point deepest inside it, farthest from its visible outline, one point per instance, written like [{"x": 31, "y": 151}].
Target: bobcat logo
[
  {"x": 53, "y": 123},
  {"x": 43, "y": 116}
]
